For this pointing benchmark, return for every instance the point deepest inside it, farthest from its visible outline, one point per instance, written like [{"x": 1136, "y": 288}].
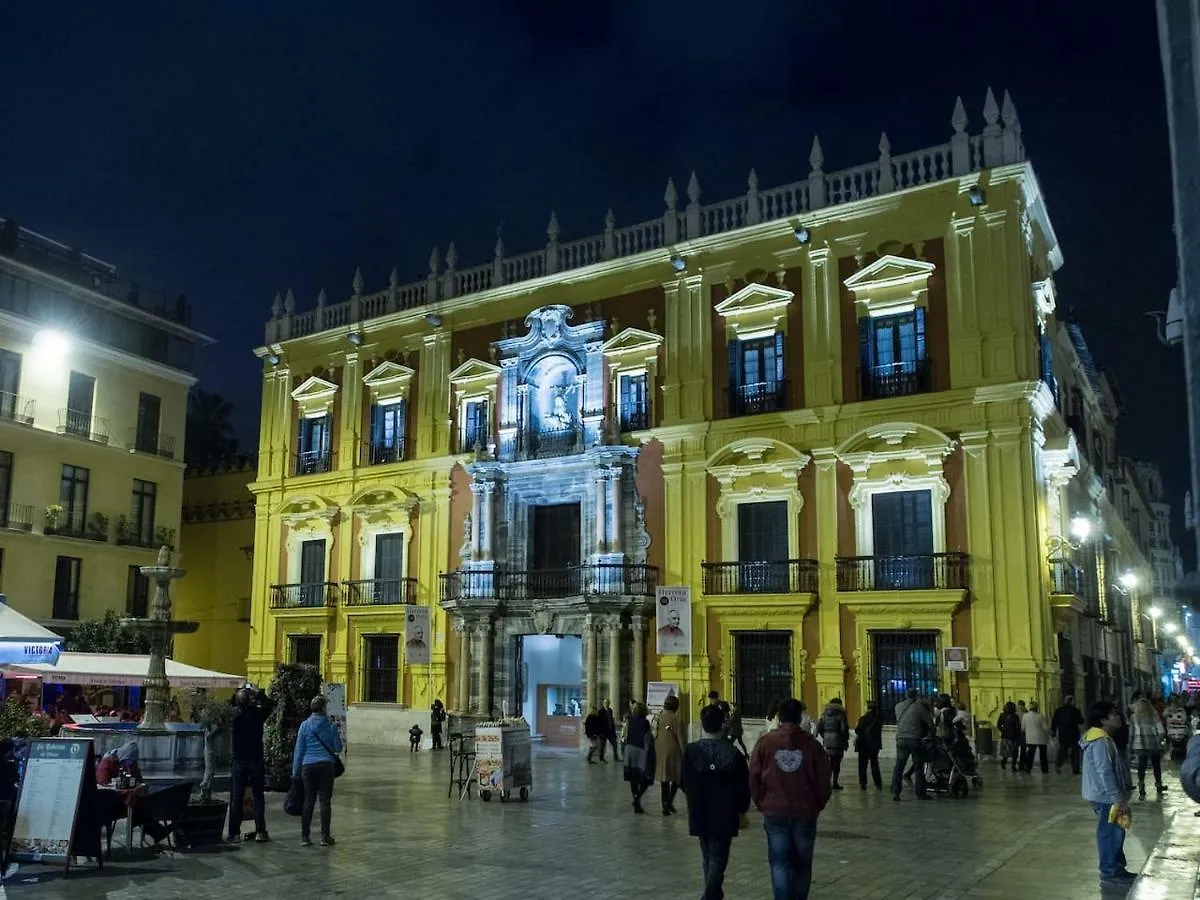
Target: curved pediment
[
  {"x": 308, "y": 512},
  {"x": 381, "y": 496},
  {"x": 895, "y": 441},
  {"x": 755, "y": 456}
]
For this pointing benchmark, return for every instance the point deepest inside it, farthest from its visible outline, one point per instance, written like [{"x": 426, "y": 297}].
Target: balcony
[
  {"x": 155, "y": 444},
  {"x": 752, "y": 399},
  {"x": 592, "y": 580},
  {"x": 465, "y": 444},
  {"x": 788, "y": 576},
  {"x": 377, "y": 453},
  {"x": 554, "y": 442},
  {"x": 76, "y": 523},
  {"x": 305, "y": 596},
  {"x": 131, "y": 534},
  {"x": 313, "y": 462},
  {"x": 896, "y": 380},
  {"x": 1070, "y": 588},
  {"x": 15, "y": 408},
  {"x": 634, "y": 418},
  {"x": 83, "y": 424},
  {"x": 919, "y": 572},
  {"x": 17, "y": 517},
  {"x": 381, "y": 592}
]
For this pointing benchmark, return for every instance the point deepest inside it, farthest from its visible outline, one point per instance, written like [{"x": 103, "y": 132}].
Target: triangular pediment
[
  {"x": 474, "y": 369},
  {"x": 314, "y": 388},
  {"x": 631, "y": 339},
  {"x": 891, "y": 272},
  {"x": 754, "y": 297},
  {"x": 387, "y": 373}
]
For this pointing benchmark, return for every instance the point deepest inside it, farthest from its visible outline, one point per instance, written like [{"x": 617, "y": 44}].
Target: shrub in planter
[
  {"x": 215, "y": 716},
  {"x": 16, "y": 719},
  {"x": 292, "y": 690}
]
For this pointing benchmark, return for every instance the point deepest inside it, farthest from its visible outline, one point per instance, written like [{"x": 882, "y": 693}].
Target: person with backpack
[
  {"x": 834, "y": 729},
  {"x": 868, "y": 743}
]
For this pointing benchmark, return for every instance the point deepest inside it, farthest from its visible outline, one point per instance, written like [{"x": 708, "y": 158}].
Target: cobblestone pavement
[{"x": 399, "y": 836}]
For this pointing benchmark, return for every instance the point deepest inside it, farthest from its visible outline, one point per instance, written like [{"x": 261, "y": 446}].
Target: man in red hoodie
[{"x": 790, "y": 785}]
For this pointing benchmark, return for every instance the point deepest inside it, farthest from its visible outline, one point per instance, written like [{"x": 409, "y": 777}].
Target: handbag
[
  {"x": 293, "y": 802},
  {"x": 339, "y": 767}
]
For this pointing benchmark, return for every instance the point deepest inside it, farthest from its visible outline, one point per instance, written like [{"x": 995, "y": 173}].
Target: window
[
  {"x": 10, "y": 385},
  {"x": 902, "y": 660},
  {"x": 149, "y": 409},
  {"x": 382, "y": 667},
  {"x": 73, "y": 497},
  {"x": 314, "y": 453},
  {"x": 142, "y": 519},
  {"x": 633, "y": 406},
  {"x": 305, "y": 649},
  {"x": 66, "y": 587},
  {"x": 312, "y": 573},
  {"x": 764, "y": 670},
  {"x": 1046, "y": 364},
  {"x": 389, "y": 568},
  {"x": 756, "y": 375},
  {"x": 6, "y": 463},
  {"x": 892, "y": 351},
  {"x": 387, "y": 432},
  {"x": 81, "y": 392},
  {"x": 475, "y": 431},
  {"x": 902, "y": 524},
  {"x": 137, "y": 594},
  {"x": 763, "y": 546}
]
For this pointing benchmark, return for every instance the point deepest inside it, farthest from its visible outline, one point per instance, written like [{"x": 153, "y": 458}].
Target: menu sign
[{"x": 49, "y": 803}]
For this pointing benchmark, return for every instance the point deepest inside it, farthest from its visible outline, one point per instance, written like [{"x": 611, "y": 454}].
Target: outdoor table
[{"x": 128, "y": 798}]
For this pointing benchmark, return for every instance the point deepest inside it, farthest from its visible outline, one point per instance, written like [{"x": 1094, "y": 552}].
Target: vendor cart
[{"x": 503, "y": 760}]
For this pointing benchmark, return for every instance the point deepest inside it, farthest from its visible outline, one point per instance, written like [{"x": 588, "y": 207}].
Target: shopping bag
[{"x": 293, "y": 802}]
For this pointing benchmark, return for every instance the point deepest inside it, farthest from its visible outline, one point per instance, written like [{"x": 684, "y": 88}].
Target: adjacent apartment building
[
  {"x": 839, "y": 411},
  {"x": 94, "y": 377}
]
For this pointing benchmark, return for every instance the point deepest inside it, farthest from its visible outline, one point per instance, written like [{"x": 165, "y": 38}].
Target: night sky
[{"x": 229, "y": 150}]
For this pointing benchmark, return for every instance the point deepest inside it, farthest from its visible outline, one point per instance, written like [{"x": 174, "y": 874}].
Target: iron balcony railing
[
  {"x": 468, "y": 444},
  {"x": 156, "y": 444},
  {"x": 301, "y": 596},
  {"x": 83, "y": 424},
  {"x": 17, "y": 516},
  {"x": 896, "y": 380},
  {"x": 75, "y": 523},
  {"x": 313, "y": 462},
  {"x": 634, "y": 418},
  {"x": 555, "y": 442},
  {"x": 381, "y": 591},
  {"x": 924, "y": 571},
  {"x": 16, "y": 408},
  {"x": 785, "y": 576},
  {"x": 594, "y": 579},
  {"x": 752, "y": 399},
  {"x": 376, "y": 453}
]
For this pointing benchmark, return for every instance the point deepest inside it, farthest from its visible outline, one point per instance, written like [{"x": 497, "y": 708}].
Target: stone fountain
[{"x": 160, "y": 628}]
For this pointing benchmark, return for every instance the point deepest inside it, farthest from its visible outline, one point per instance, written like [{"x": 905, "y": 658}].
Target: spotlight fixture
[
  {"x": 355, "y": 338},
  {"x": 678, "y": 263},
  {"x": 433, "y": 319},
  {"x": 1081, "y": 528},
  {"x": 1170, "y": 628},
  {"x": 1128, "y": 580},
  {"x": 1155, "y": 612},
  {"x": 803, "y": 235},
  {"x": 273, "y": 358},
  {"x": 977, "y": 195}
]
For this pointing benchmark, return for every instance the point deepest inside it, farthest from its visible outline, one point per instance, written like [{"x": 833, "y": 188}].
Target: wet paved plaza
[{"x": 399, "y": 836}]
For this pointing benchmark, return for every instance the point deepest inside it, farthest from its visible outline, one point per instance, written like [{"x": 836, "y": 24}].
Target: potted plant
[
  {"x": 54, "y": 514},
  {"x": 205, "y": 819},
  {"x": 97, "y": 527},
  {"x": 165, "y": 537},
  {"x": 123, "y": 531}
]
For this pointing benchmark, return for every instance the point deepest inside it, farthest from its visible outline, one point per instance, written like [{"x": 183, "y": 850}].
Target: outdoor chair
[{"x": 163, "y": 810}]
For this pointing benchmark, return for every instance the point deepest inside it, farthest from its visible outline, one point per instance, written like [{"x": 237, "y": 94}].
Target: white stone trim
[
  {"x": 864, "y": 490},
  {"x": 731, "y": 500},
  {"x": 297, "y": 535},
  {"x": 369, "y": 535}
]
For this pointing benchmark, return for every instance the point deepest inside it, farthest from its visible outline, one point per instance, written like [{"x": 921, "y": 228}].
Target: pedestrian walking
[
  {"x": 1146, "y": 738},
  {"x": 1189, "y": 770},
  {"x": 610, "y": 729},
  {"x": 639, "y": 755},
  {"x": 1065, "y": 727},
  {"x": 914, "y": 727},
  {"x": 834, "y": 729},
  {"x": 716, "y": 780},
  {"x": 735, "y": 729},
  {"x": 790, "y": 785},
  {"x": 313, "y": 761},
  {"x": 868, "y": 742},
  {"x": 414, "y": 738},
  {"x": 668, "y": 750},
  {"x": 593, "y": 730},
  {"x": 1037, "y": 736},
  {"x": 1108, "y": 787},
  {"x": 1009, "y": 727},
  {"x": 251, "y": 709},
  {"x": 437, "y": 717}
]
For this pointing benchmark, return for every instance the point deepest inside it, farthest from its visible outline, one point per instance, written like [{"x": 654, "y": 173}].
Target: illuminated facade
[
  {"x": 829, "y": 408},
  {"x": 94, "y": 377}
]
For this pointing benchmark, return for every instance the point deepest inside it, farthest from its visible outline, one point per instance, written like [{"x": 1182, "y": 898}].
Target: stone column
[
  {"x": 522, "y": 421},
  {"x": 590, "y": 667},
  {"x": 600, "y": 511},
  {"x": 476, "y": 519},
  {"x": 830, "y": 668},
  {"x": 638, "y": 626},
  {"x": 614, "y": 664},
  {"x": 463, "y": 697},
  {"x": 484, "y": 700},
  {"x": 486, "y": 514},
  {"x": 614, "y": 509}
]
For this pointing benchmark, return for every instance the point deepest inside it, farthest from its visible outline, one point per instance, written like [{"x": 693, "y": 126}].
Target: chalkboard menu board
[{"x": 57, "y": 810}]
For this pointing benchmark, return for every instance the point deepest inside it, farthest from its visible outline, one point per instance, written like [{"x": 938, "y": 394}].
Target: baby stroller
[{"x": 952, "y": 767}]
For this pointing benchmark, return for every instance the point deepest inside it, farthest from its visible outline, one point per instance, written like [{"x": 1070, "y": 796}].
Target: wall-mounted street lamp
[
  {"x": 1128, "y": 580},
  {"x": 1155, "y": 612},
  {"x": 1080, "y": 530},
  {"x": 1170, "y": 628}
]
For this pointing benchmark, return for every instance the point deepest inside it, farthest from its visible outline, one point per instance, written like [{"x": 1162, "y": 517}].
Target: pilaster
[
  {"x": 433, "y": 401},
  {"x": 637, "y": 626},
  {"x": 962, "y": 296},
  {"x": 687, "y": 393},
  {"x": 590, "y": 665},
  {"x": 829, "y": 669},
  {"x": 260, "y": 662},
  {"x": 462, "y": 696},
  {"x": 822, "y": 308},
  {"x": 351, "y": 409}
]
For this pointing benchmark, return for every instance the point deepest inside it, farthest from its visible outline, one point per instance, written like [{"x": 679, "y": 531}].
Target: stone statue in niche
[
  {"x": 560, "y": 413},
  {"x": 464, "y": 552}
]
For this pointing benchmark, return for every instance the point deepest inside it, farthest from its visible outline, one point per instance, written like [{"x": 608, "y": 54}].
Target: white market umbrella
[{"x": 23, "y": 641}]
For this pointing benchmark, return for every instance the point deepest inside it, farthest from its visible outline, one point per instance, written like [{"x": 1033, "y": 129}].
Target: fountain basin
[{"x": 175, "y": 751}]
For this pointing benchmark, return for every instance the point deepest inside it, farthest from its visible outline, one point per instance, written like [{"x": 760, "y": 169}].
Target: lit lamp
[
  {"x": 1080, "y": 530},
  {"x": 1128, "y": 580},
  {"x": 1155, "y": 612},
  {"x": 51, "y": 345},
  {"x": 1170, "y": 628}
]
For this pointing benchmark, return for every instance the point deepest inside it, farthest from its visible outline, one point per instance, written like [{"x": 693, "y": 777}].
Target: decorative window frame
[
  {"x": 761, "y": 612},
  {"x": 387, "y": 383},
  {"x": 632, "y": 352},
  {"x": 315, "y": 397},
  {"x": 890, "y": 286},
  {"x": 475, "y": 380},
  {"x": 765, "y": 471},
  {"x": 382, "y": 510},
  {"x": 307, "y": 518},
  {"x": 755, "y": 311},
  {"x": 865, "y": 489}
]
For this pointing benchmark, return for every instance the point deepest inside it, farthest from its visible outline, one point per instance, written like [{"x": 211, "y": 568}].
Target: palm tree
[{"x": 210, "y": 435}]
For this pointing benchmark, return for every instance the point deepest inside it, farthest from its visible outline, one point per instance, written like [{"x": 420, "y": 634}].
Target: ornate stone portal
[{"x": 550, "y": 451}]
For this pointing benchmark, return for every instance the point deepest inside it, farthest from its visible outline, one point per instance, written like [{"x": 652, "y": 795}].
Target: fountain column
[{"x": 159, "y": 628}]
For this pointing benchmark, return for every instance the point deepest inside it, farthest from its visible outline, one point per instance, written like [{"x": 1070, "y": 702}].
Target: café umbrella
[{"x": 23, "y": 641}]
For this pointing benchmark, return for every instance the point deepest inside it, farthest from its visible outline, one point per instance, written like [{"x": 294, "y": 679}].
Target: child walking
[{"x": 414, "y": 738}]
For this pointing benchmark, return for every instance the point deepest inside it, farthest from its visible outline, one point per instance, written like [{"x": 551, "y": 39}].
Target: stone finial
[
  {"x": 289, "y": 303},
  {"x": 277, "y": 306},
  {"x": 498, "y": 250},
  {"x": 958, "y": 118},
  {"x": 394, "y": 278},
  {"x": 164, "y": 556},
  {"x": 321, "y": 297},
  {"x": 991, "y": 112},
  {"x": 753, "y": 212},
  {"x": 816, "y": 158},
  {"x": 993, "y": 149},
  {"x": 885, "y": 146},
  {"x": 671, "y": 197},
  {"x": 434, "y": 262},
  {"x": 357, "y": 283},
  {"x": 887, "y": 180},
  {"x": 451, "y": 256},
  {"x": 651, "y": 318},
  {"x": 752, "y": 180},
  {"x": 615, "y": 324},
  {"x": 693, "y": 188},
  {"x": 816, "y": 176},
  {"x": 1008, "y": 111},
  {"x": 462, "y": 356},
  {"x": 552, "y": 228},
  {"x": 610, "y": 221},
  {"x": 1011, "y": 147}
]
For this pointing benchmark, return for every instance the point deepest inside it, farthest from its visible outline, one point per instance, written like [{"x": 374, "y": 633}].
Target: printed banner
[
  {"x": 673, "y": 620},
  {"x": 416, "y": 636},
  {"x": 335, "y": 707},
  {"x": 957, "y": 659},
  {"x": 657, "y": 693}
]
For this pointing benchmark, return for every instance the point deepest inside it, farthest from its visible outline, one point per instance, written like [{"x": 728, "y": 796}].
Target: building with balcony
[
  {"x": 94, "y": 375},
  {"x": 830, "y": 409}
]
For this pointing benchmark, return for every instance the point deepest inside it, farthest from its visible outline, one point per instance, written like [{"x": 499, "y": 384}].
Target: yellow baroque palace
[{"x": 841, "y": 411}]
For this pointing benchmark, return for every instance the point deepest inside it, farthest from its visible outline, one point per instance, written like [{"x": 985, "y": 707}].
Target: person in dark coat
[
  {"x": 251, "y": 708},
  {"x": 868, "y": 742},
  {"x": 593, "y": 730},
  {"x": 1066, "y": 726},
  {"x": 610, "y": 729},
  {"x": 834, "y": 728},
  {"x": 716, "y": 780},
  {"x": 437, "y": 716},
  {"x": 639, "y": 755}
]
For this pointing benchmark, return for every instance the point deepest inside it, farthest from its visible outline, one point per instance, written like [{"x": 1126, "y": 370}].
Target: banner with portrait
[
  {"x": 416, "y": 636},
  {"x": 673, "y": 620}
]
